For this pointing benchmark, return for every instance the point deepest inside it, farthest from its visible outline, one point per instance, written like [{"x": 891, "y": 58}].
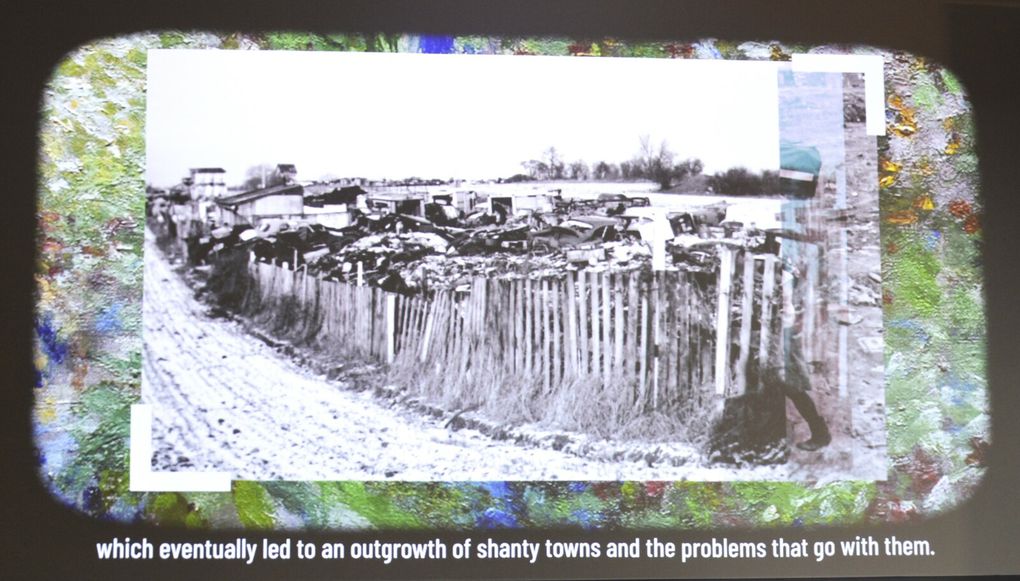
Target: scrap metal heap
[{"x": 411, "y": 254}]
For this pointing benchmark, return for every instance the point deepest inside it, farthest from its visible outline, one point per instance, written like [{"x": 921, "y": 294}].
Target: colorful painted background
[{"x": 88, "y": 320}]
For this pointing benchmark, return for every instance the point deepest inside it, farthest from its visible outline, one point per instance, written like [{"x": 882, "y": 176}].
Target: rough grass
[
  {"x": 228, "y": 280},
  {"x": 583, "y": 405}
]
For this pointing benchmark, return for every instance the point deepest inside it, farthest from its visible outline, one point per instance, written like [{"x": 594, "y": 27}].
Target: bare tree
[
  {"x": 579, "y": 170},
  {"x": 656, "y": 163},
  {"x": 557, "y": 169},
  {"x": 628, "y": 170},
  {"x": 536, "y": 169},
  {"x": 688, "y": 168},
  {"x": 600, "y": 170}
]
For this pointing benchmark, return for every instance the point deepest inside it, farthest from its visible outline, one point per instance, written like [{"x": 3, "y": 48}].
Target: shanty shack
[
  {"x": 333, "y": 208},
  {"x": 408, "y": 203},
  {"x": 463, "y": 201},
  {"x": 522, "y": 203},
  {"x": 331, "y": 216},
  {"x": 284, "y": 201}
]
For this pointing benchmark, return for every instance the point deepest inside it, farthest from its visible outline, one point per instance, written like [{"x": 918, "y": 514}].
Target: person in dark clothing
[{"x": 795, "y": 385}]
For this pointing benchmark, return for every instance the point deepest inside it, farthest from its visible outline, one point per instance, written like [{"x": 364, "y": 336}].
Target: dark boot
[
  {"x": 818, "y": 440},
  {"x": 820, "y": 436}
]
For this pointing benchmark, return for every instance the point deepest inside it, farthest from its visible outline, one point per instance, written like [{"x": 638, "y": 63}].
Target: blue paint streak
[
  {"x": 493, "y": 518},
  {"x": 707, "y": 51},
  {"x": 960, "y": 391},
  {"x": 435, "y": 44},
  {"x": 497, "y": 490},
  {"x": 920, "y": 333},
  {"x": 55, "y": 447},
  {"x": 123, "y": 511},
  {"x": 585, "y": 519},
  {"x": 108, "y": 320},
  {"x": 932, "y": 240},
  {"x": 55, "y": 349},
  {"x": 577, "y": 487}
]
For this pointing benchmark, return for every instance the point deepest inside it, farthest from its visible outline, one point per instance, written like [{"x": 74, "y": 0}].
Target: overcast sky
[{"x": 466, "y": 116}]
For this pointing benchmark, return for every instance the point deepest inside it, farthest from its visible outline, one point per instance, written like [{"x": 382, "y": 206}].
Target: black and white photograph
[{"x": 414, "y": 267}]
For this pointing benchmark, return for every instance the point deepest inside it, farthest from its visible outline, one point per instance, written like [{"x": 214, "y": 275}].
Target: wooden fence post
[
  {"x": 511, "y": 318},
  {"x": 632, "y": 361},
  {"x": 788, "y": 317},
  {"x": 607, "y": 355},
  {"x": 656, "y": 338},
  {"x": 518, "y": 314},
  {"x": 582, "y": 322},
  {"x": 571, "y": 343},
  {"x": 746, "y": 313},
  {"x": 643, "y": 348},
  {"x": 652, "y": 337},
  {"x": 529, "y": 316},
  {"x": 809, "y": 294},
  {"x": 391, "y": 330},
  {"x": 722, "y": 321},
  {"x": 427, "y": 336},
  {"x": 768, "y": 288},
  {"x": 557, "y": 335},
  {"x": 546, "y": 344},
  {"x": 618, "y": 325},
  {"x": 595, "y": 317}
]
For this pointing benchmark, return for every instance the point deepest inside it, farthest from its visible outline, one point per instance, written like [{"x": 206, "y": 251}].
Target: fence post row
[{"x": 680, "y": 339}]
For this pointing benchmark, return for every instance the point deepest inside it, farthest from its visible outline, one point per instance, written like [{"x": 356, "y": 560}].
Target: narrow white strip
[
  {"x": 874, "y": 80},
  {"x": 143, "y": 479},
  {"x": 844, "y": 302},
  {"x": 797, "y": 175}
]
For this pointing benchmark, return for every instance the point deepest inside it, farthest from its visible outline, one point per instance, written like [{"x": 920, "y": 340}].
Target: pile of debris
[{"x": 411, "y": 254}]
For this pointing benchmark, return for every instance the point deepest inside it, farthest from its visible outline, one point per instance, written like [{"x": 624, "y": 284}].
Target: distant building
[
  {"x": 287, "y": 172},
  {"x": 325, "y": 195},
  {"x": 331, "y": 216},
  {"x": 522, "y": 203},
  {"x": 285, "y": 201},
  {"x": 206, "y": 183},
  {"x": 334, "y": 207},
  {"x": 463, "y": 201},
  {"x": 407, "y": 203}
]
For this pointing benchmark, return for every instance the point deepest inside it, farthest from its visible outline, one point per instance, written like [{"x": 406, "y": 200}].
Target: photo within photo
[{"x": 411, "y": 267}]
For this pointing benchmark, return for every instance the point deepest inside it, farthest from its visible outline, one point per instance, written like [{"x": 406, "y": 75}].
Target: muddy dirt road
[{"x": 225, "y": 401}]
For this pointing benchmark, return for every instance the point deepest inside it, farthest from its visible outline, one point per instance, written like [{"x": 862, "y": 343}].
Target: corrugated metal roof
[{"x": 280, "y": 190}]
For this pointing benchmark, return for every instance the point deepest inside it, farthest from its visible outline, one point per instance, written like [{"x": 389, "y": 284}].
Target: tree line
[
  {"x": 656, "y": 163},
  {"x": 652, "y": 162}
]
